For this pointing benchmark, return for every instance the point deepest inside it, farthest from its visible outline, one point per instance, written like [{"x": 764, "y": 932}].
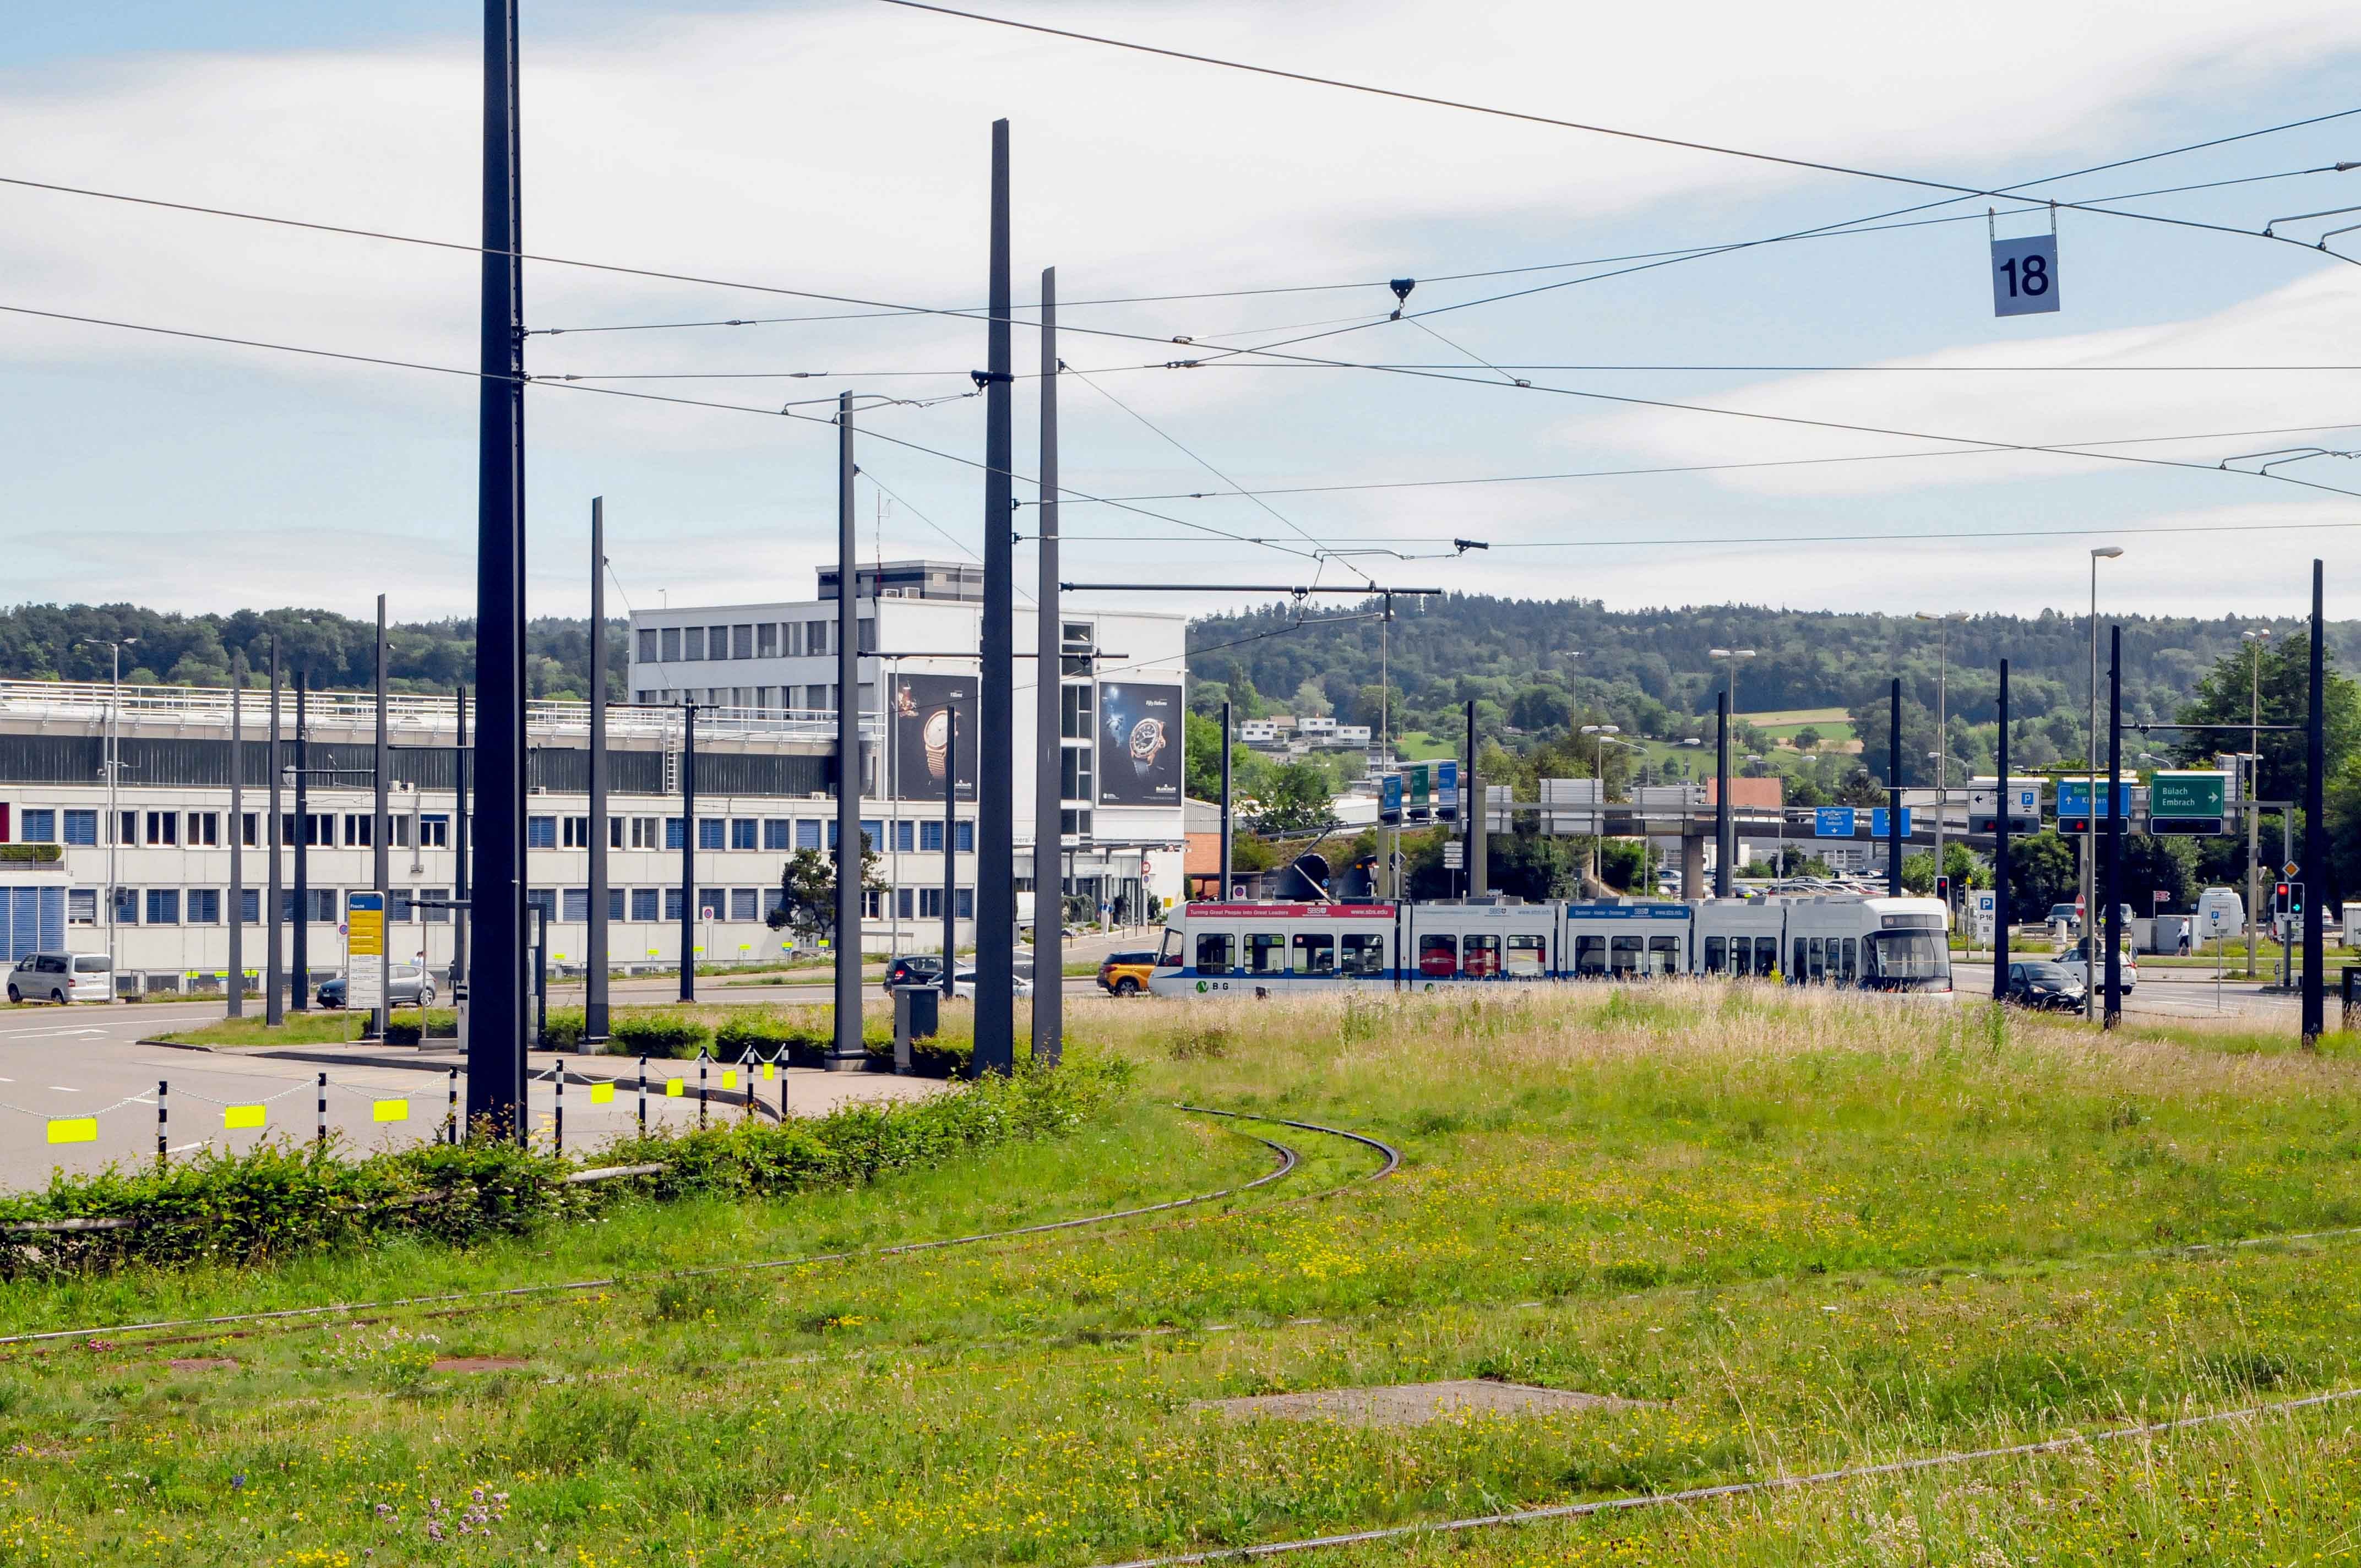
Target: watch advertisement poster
[
  {"x": 1139, "y": 744},
  {"x": 922, "y": 751}
]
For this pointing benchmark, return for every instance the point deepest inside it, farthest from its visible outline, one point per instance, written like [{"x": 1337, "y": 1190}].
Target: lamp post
[
  {"x": 1942, "y": 620},
  {"x": 2253, "y": 639},
  {"x": 114, "y": 768},
  {"x": 1598, "y": 772},
  {"x": 1732, "y": 657},
  {"x": 2091, "y": 824}
]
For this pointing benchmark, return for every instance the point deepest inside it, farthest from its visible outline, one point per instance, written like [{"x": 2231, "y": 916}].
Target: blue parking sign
[{"x": 1832, "y": 822}]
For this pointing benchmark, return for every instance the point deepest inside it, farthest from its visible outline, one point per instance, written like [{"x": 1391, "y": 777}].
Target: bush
[
  {"x": 410, "y": 1025},
  {"x": 283, "y": 1199},
  {"x": 657, "y": 1035},
  {"x": 563, "y": 1030}
]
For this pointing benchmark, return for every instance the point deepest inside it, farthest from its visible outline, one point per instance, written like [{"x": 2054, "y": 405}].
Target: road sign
[
  {"x": 1446, "y": 790},
  {"x": 1878, "y": 825},
  {"x": 2024, "y": 275},
  {"x": 2188, "y": 802},
  {"x": 2074, "y": 797},
  {"x": 1986, "y": 910},
  {"x": 2292, "y": 868},
  {"x": 1389, "y": 798},
  {"x": 1454, "y": 857},
  {"x": 1832, "y": 822},
  {"x": 365, "y": 951},
  {"x": 2023, "y": 805},
  {"x": 1418, "y": 790},
  {"x": 705, "y": 913}
]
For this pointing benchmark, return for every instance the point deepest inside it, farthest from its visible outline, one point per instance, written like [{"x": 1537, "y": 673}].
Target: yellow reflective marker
[
  {"x": 73, "y": 1129},
  {"x": 729, "y": 1077},
  {"x": 389, "y": 1110},
  {"x": 770, "y": 1071},
  {"x": 236, "y": 1116},
  {"x": 602, "y": 1094},
  {"x": 672, "y": 1087}
]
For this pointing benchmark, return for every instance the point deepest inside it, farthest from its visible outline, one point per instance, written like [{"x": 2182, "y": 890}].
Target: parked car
[
  {"x": 915, "y": 969},
  {"x": 406, "y": 985},
  {"x": 2064, "y": 914},
  {"x": 61, "y": 978},
  {"x": 964, "y": 985},
  {"x": 2044, "y": 985},
  {"x": 1125, "y": 974},
  {"x": 2071, "y": 960}
]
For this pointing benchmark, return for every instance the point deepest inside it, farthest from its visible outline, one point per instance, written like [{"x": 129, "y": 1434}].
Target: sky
[{"x": 839, "y": 148}]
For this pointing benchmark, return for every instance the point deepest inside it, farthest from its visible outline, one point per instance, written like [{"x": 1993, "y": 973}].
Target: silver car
[{"x": 61, "y": 978}]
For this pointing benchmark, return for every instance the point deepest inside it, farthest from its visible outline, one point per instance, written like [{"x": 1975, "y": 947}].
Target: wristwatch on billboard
[
  {"x": 937, "y": 736},
  {"x": 1147, "y": 744}
]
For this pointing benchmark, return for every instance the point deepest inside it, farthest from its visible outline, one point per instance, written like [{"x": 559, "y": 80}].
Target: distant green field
[
  {"x": 1795, "y": 717},
  {"x": 1419, "y": 744}
]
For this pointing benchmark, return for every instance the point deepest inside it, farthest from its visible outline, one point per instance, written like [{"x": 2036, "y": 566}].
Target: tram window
[
  {"x": 1365, "y": 953},
  {"x": 1169, "y": 956},
  {"x": 1852, "y": 953},
  {"x": 1527, "y": 957},
  {"x": 1664, "y": 955},
  {"x": 1590, "y": 955},
  {"x": 1716, "y": 954},
  {"x": 1480, "y": 957},
  {"x": 1213, "y": 949},
  {"x": 1315, "y": 954},
  {"x": 1265, "y": 952},
  {"x": 1438, "y": 956},
  {"x": 1798, "y": 972},
  {"x": 1623, "y": 954},
  {"x": 1767, "y": 954},
  {"x": 1819, "y": 970}
]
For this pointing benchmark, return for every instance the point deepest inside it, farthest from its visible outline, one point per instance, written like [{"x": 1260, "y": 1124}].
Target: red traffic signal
[{"x": 1943, "y": 888}]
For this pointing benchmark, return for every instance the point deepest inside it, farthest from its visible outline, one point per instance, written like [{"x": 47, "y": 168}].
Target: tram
[{"x": 1858, "y": 941}]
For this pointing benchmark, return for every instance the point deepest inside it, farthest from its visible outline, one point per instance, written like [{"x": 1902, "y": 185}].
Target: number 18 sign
[{"x": 2024, "y": 275}]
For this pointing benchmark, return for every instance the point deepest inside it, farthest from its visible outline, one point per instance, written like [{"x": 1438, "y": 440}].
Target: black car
[
  {"x": 2044, "y": 985},
  {"x": 915, "y": 969}
]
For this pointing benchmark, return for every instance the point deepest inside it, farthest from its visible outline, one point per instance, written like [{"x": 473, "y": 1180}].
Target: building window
[
  {"x": 250, "y": 829},
  {"x": 672, "y": 904},
  {"x": 644, "y": 833},
  {"x": 693, "y": 642},
  {"x": 82, "y": 906},
  {"x": 398, "y": 910},
  {"x": 250, "y": 906},
  {"x": 163, "y": 828},
  {"x": 905, "y": 835},
  {"x": 163, "y": 906},
  {"x": 578, "y": 832},
  {"x": 745, "y": 904},
  {"x": 807, "y": 833},
  {"x": 80, "y": 825},
  {"x": 744, "y": 832},
  {"x": 674, "y": 833},
  {"x": 614, "y": 903},
  {"x": 575, "y": 908},
  {"x": 427, "y": 898},
  {"x": 541, "y": 832},
  {"x": 126, "y": 907},
  {"x": 966, "y": 904},
  {"x": 399, "y": 825},
  {"x": 40, "y": 825},
  {"x": 204, "y": 906},
  {"x": 964, "y": 838},
  {"x": 930, "y": 838},
  {"x": 647, "y": 645},
  {"x": 778, "y": 833},
  {"x": 126, "y": 830},
  {"x": 712, "y": 903},
  {"x": 873, "y": 835},
  {"x": 872, "y": 902},
  {"x": 544, "y": 899},
  {"x": 361, "y": 829},
  {"x": 930, "y": 904},
  {"x": 815, "y": 635},
  {"x": 1073, "y": 824},
  {"x": 709, "y": 832},
  {"x": 716, "y": 641},
  {"x": 324, "y": 905},
  {"x": 902, "y": 904},
  {"x": 434, "y": 831},
  {"x": 742, "y": 642},
  {"x": 319, "y": 829},
  {"x": 644, "y": 903},
  {"x": 1074, "y": 772},
  {"x": 766, "y": 640},
  {"x": 204, "y": 832},
  {"x": 671, "y": 644},
  {"x": 1074, "y": 707}
]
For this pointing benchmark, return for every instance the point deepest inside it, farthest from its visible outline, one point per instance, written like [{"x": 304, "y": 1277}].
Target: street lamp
[
  {"x": 1943, "y": 725},
  {"x": 114, "y": 767},
  {"x": 1731, "y": 656},
  {"x": 2090, "y": 825},
  {"x": 2253, "y": 639}
]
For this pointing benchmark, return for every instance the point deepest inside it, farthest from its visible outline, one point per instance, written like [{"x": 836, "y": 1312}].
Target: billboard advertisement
[
  {"x": 922, "y": 735},
  {"x": 1139, "y": 744}
]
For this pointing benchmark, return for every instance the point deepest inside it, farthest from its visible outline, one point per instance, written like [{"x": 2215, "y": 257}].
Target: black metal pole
[
  {"x": 237, "y": 911},
  {"x": 845, "y": 1049},
  {"x": 1724, "y": 851},
  {"x": 381, "y": 839},
  {"x": 274, "y": 1001},
  {"x": 462, "y": 812},
  {"x": 1471, "y": 816},
  {"x": 1049, "y": 746},
  {"x": 2315, "y": 822},
  {"x": 1894, "y": 796},
  {"x": 300, "y": 982},
  {"x": 1999, "y": 854},
  {"x": 594, "y": 949},
  {"x": 2114, "y": 1009},
  {"x": 951, "y": 855},
  {"x": 995, "y": 854},
  {"x": 1223, "y": 893},
  {"x": 689, "y": 852},
  {"x": 496, "y": 968}
]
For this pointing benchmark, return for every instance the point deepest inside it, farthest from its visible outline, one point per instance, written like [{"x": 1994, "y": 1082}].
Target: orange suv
[{"x": 1125, "y": 974}]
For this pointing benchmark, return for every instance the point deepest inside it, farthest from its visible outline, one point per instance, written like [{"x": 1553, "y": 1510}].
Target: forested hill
[
  {"x": 1650, "y": 666},
  {"x": 335, "y": 652}
]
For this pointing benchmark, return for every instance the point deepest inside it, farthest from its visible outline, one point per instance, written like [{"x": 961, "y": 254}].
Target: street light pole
[
  {"x": 114, "y": 768},
  {"x": 1942, "y": 728},
  {"x": 2090, "y": 772},
  {"x": 2255, "y": 641}
]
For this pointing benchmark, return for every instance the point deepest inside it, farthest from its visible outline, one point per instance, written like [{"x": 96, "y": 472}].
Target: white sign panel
[
  {"x": 1455, "y": 856},
  {"x": 1987, "y": 909},
  {"x": 365, "y": 983},
  {"x": 2024, "y": 275}
]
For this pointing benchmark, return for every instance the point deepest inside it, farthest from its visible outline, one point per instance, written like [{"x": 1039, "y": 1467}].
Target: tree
[
  {"x": 1295, "y": 799},
  {"x": 2041, "y": 872},
  {"x": 1311, "y": 700},
  {"x": 1202, "y": 768},
  {"x": 2221, "y": 702},
  {"x": 807, "y": 903},
  {"x": 1807, "y": 739}
]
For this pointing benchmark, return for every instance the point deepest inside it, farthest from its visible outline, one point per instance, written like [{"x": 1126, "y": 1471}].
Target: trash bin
[{"x": 917, "y": 1016}]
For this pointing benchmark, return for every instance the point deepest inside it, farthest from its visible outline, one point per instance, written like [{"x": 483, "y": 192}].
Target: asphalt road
[{"x": 2186, "y": 995}]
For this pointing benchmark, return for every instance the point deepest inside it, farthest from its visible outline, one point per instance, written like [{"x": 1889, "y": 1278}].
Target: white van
[
  {"x": 2220, "y": 912},
  {"x": 61, "y": 977}
]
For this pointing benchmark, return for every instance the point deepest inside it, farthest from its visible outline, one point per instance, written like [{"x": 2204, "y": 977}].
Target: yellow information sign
[
  {"x": 236, "y": 1116},
  {"x": 73, "y": 1129},
  {"x": 364, "y": 933},
  {"x": 602, "y": 1094},
  {"x": 389, "y": 1110},
  {"x": 673, "y": 1088},
  {"x": 770, "y": 1071},
  {"x": 729, "y": 1077}
]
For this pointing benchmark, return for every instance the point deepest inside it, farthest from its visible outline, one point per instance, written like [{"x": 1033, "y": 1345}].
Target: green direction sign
[
  {"x": 1420, "y": 789},
  {"x": 2187, "y": 802}
]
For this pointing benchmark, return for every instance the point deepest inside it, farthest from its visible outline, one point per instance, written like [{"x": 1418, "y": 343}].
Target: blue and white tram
[
  {"x": 1274, "y": 950},
  {"x": 1626, "y": 939},
  {"x": 1453, "y": 943}
]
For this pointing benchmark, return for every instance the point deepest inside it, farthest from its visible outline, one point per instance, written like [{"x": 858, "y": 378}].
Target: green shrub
[
  {"x": 407, "y": 1027},
  {"x": 657, "y": 1035},
  {"x": 563, "y": 1030}
]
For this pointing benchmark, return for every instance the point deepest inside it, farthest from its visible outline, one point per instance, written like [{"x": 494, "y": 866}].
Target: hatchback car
[
  {"x": 1125, "y": 974},
  {"x": 964, "y": 985},
  {"x": 406, "y": 985},
  {"x": 2070, "y": 959},
  {"x": 915, "y": 969},
  {"x": 61, "y": 978},
  {"x": 2045, "y": 985}
]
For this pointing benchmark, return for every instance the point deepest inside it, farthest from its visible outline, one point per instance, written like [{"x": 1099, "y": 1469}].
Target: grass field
[{"x": 1797, "y": 1233}]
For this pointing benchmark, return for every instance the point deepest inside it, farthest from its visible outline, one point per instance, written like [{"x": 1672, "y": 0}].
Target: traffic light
[
  {"x": 1943, "y": 891},
  {"x": 2295, "y": 901},
  {"x": 2281, "y": 894}
]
